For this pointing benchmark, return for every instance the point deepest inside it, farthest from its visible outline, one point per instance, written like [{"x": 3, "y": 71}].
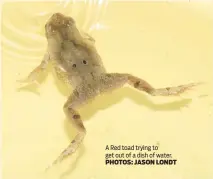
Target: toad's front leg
[
  {"x": 89, "y": 37},
  {"x": 34, "y": 75}
]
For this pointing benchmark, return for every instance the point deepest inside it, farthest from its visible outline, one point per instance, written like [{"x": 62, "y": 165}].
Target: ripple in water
[{"x": 23, "y": 24}]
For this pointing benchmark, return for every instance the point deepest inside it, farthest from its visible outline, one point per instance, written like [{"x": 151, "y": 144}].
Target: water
[{"x": 163, "y": 43}]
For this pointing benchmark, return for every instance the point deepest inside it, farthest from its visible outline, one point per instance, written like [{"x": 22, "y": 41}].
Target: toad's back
[
  {"x": 75, "y": 57},
  {"x": 79, "y": 62}
]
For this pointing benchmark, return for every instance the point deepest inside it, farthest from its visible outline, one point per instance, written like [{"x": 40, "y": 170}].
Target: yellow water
[{"x": 164, "y": 43}]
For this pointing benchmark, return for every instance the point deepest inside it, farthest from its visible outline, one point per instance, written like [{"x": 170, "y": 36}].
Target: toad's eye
[
  {"x": 74, "y": 65},
  {"x": 70, "y": 20},
  {"x": 84, "y": 62}
]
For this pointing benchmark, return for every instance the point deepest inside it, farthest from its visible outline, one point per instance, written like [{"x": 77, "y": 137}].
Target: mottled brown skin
[{"x": 77, "y": 62}]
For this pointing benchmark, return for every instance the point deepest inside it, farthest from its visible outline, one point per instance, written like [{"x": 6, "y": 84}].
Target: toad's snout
[
  {"x": 57, "y": 15},
  {"x": 59, "y": 19}
]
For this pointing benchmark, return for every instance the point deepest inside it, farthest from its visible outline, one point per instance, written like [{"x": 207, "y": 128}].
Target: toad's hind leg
[
  {"x": 142, "y": 85},
  {"x": 76, "y": 100},
  {"x": 116, "y": 80}
]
